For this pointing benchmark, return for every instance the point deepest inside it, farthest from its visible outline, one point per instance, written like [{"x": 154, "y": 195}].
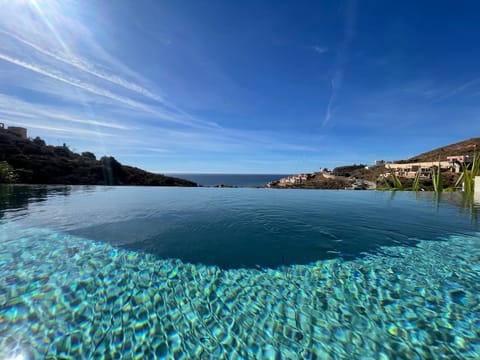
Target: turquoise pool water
[{"x": 98, "y": 272}]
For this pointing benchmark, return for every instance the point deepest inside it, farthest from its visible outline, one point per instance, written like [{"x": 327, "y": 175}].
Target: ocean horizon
[{"x": 240, "y": 180}]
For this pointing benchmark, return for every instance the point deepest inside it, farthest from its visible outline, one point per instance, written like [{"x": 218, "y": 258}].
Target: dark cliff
[{"x": 38, "y": 163}]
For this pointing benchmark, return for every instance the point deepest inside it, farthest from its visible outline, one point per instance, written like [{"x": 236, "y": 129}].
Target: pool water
[{"x": 103, "y": 272}]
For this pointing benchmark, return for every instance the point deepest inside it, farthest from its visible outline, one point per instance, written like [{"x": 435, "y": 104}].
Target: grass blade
[{"x": 416, "y": 181}]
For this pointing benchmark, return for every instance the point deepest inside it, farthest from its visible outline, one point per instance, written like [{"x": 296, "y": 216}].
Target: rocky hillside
[
  {"x": 347, "y": 176},
  {"x": 316, "y": 181},
  {"x": 347, "y": 170},
  {"x": 466, "y": 147},
  {"x": 35, "y": 162}
]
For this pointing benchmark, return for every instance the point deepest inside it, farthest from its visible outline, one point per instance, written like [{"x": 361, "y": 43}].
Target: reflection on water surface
[{"x": 94, "y": 272}]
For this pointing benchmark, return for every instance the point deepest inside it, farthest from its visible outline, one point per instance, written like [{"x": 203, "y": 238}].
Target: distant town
[{"x": 363, "y": 177}]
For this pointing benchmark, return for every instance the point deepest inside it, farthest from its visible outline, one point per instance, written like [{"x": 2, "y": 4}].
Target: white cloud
[
  {"x": 30, "y": 38},
  {"x": 74, "y": 82},
  {"x": 12, "y": 107},
  {"x": 82, "y": 91},
  {"x": 83, "y": 65},
  {"x": 176, "y": 117}
]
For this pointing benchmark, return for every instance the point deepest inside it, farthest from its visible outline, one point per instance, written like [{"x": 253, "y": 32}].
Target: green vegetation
[
  {"x": 467, "y": 178},
  {"x": 397, "y": 183},
  {"x": 437, "y": 178},
  {"x": 7, "y": 173},
  {"x": 416, "y": 181}
]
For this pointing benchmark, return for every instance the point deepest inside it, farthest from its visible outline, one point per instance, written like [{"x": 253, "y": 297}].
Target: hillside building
[
  {"x": 19, "y": 131},
  {"x": 409, "y": 170},
  {"x": 291, "y": 180},
  {"x": 467, "y": 159}
]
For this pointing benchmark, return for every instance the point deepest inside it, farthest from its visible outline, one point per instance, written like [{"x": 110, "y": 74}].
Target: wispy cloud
[
  {"x": 89, "y": 68},
  {"x": 83, "y": 92},
  {"x": 335, "y": 85},
  {"x": 33, "y": 42},
  {"x": 73, "y": 82},
  {"x": 157, "y": 150},
  {"x": 436, "y": 92},
  {"x": 180, "y": 118},
  {"x": 11, "y": 106},
  {"x": 340, "y": 61},
  {"x": 423, "y": 88},
  {"x": 320, "y": 49},
  {"x": 62, "y": 129},
  {"x": 457, "y": 90}
]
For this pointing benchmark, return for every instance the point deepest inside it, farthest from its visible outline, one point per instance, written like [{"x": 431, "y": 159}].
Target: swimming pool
[{"x": 132, "y": 272}]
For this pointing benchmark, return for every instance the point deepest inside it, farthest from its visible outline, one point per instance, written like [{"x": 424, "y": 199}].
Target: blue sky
[{"x": 242, "y": 87}]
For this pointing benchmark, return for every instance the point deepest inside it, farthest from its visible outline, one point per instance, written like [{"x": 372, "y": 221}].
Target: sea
[{"x": 238, "y": 180}]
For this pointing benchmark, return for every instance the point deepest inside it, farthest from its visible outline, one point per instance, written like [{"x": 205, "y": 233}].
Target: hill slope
[
  {"x": 345, "y": 176},
  {"x": 466, "y": 147},
  {"x": 38, "y": 163}
]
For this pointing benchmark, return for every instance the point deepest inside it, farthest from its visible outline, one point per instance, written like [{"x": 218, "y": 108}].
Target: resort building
[
  {"x": 291, "y": 180},
  {"x": 460, "y": 158},
  {"x": 409, "y": 170},
  {"x": 295, "y": 179}
]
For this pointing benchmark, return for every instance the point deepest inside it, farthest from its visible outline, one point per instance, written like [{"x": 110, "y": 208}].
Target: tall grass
[
  {"x": 437, "y": 178},
  {"x": 416, "y": 181},
  {"x": 397, "y": 184},
  {"x": 468, "y": 176}
]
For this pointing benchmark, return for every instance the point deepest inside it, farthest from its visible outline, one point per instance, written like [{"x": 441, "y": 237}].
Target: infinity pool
[{"x": 131, "y": 272}]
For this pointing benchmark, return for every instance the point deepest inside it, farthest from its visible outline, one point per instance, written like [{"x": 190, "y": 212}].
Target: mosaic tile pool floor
[{"x": 65, "y": 297}]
